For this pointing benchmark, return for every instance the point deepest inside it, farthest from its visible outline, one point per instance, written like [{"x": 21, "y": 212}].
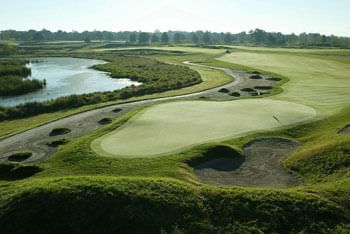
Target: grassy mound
[
  {"x": 107, "y": 205},
  {"x": 59, "y": 131},
  {"x": 18, "y": 157}
]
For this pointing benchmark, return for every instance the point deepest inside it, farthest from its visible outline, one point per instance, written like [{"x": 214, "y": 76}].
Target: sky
[{"x": 286, "y": 16}]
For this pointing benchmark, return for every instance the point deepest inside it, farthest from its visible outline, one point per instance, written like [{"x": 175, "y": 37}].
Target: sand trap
[
  {"x": 20, "y": 156},
  {"x": 345, "y": 130},
  {"x": 261, "y": 167}
]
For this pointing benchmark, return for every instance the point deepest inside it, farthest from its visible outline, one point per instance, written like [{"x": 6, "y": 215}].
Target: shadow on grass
[
  {"x": 219, "y": 157},
  {"x": 12, "y": 171}
]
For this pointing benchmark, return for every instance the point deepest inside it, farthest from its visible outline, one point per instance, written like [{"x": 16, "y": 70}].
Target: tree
[
  {"x": 108, "y": 36},
  {"x": 98, "y": 35},
  {"x": 7, "y": 48},
  {"x": 292, "y": 40},
  {"x": 228, "y": 38},
  {"x": 177, "y": 37},
  {"x": 195, "y": 38},
  {"x": 87, "y": 38},
  {"x": 270, "y": 39},
  {"x": 165, "y": 38},
  {"x": 144, "y": 38},
  {"x": 206, "y": 37},
  {"x": 154, "y": 38},
  {"x": 258, "y": 35},
  {"x": 133, "y": 37},
  {"x": 38, "y": 36}
]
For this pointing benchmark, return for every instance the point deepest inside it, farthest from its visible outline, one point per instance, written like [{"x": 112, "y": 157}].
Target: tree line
[{"x": 256, "y": 37}]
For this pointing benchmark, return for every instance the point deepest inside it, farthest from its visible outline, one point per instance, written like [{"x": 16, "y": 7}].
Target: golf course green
[{"x": 170, "y": 127}]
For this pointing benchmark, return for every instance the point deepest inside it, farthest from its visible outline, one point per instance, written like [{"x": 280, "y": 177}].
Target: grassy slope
[{"x": 124, "y": 205}]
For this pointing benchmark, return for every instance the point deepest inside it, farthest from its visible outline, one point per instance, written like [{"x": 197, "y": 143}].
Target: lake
[{"x": 64, "y": 77}]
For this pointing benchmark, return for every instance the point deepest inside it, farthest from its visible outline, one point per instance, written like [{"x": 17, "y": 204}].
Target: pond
[{"x": 66, "y": 76}]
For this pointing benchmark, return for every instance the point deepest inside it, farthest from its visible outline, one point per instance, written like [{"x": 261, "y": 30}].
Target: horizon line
[{"x": 170, "y": 30}]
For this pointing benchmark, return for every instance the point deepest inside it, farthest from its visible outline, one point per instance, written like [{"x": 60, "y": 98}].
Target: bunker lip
[
  {"x": 345, "y": 130},
  {"x": 259, "y": 168}
]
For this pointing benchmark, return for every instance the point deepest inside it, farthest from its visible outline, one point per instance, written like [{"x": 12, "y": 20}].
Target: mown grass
[
  {"x": 170, "y": 127},
  {"x": 318, "y": 81}
]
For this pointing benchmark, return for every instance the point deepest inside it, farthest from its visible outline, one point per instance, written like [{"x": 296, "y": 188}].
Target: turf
[
  {"x": 138, "y": 205},
  {"x": 318, "y": 81},
  {"x": 173, "y": 126},
  {"x": 79, "y": 190}
]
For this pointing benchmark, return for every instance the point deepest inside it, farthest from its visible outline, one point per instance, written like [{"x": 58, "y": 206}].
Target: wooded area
[{"x": 257, "y": 37}]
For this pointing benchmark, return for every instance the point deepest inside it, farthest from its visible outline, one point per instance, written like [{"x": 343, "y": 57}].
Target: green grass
[
  {"x": 319, "y": 82},
  {"x": 126, "y": 205},
  {"x": 78, "y": 190},
  {"x": 173, "y": 126},
  {"x": 78, "y": 181}
]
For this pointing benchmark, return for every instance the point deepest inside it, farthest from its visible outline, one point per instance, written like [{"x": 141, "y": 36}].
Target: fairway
[
  {"x": 319, "y": 81},
  {"x": 174, "y": 126}
]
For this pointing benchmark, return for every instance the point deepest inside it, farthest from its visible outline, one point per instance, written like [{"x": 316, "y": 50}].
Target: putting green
[
  {"x": 319, "y": 81},
  {"x": 169, "y": 127}
]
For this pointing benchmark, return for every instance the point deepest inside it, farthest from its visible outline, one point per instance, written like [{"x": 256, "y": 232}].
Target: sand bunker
[
  {"x": 261, "y": 167},
  {"x": 345, "y": 130}
]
